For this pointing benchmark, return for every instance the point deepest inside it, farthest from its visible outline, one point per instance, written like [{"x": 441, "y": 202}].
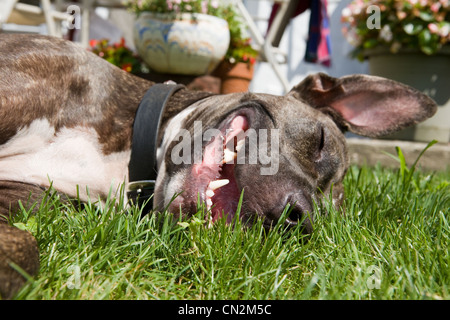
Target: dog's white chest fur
[{"x": 68, "y": 158}]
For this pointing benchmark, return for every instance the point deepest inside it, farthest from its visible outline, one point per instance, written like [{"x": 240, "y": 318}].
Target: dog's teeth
[
  {"x": 239, "y": 145},
  {"x": 213, "y": 185},
  {"x": 209, "y": 193},
  {"x": 228, "y": 155},
  {"x": 209, "y": 203}
]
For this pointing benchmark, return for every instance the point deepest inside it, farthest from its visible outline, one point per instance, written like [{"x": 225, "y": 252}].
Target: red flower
[
  {"x": 120, "y": 44},
  {"x": 127, "y": 67},
  {"x": 93, "y": 42}
]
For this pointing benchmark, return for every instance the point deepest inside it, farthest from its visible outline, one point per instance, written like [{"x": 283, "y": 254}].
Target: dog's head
[{"x": 277, "y": 150}]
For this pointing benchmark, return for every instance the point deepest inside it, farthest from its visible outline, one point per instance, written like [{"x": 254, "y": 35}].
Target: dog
[{"x": 71, "y": 121}]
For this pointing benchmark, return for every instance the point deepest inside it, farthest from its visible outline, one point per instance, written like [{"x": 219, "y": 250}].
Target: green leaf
[
  {"x": 424, "y": 37},
  {"x": 403, "y": 167},
  {"x": 431, "y": 143},
  {"x": 443, "y": 24},
  {"x": 371, "y": 43},
  {"x": 30, "y": 225},
  {"x": 426, "y": 16},
  {"x": 184, "y": 225},
  {"x": 412, "y": 29},
  {"x": 428, "y": 42},
  {"x": 20, "y": 225},
  {"x": 425, "y": 41},
  {"x": 427, "y": 50}
]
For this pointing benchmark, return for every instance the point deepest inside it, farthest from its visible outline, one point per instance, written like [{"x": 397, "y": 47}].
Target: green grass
[{"x": 392, "y": 243}]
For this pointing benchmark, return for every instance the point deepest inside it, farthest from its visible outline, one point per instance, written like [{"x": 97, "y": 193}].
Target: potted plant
[
  {"x": 407, "y": 41},
  {"x": 180, "y": 36},
  {"x": 118, "y": 54},
  {"x": 236, "y": 69}
]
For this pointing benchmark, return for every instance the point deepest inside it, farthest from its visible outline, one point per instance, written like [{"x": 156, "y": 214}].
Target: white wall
[{"x": 294, "y": 44}]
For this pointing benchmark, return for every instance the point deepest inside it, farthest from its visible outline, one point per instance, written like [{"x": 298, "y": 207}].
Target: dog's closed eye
[{"x": 320, "y": 143}]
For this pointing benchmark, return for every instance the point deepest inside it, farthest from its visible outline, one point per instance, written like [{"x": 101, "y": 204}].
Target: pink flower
[
  {"x": 401, "y": 15},
  {"x": 352, "y": 37},
  {"x": 444, "y": 31},
  {"x": 347, "y": 15},
  {"x": 346, "y": 12},
  {"x": 355, "y": 9},
  {"x": 386, "y": 33},
  {"x": 433, "y": 28},
  {"x": 435, "y": 7},
  {"x": 215, "y": 4},
  {"x": 204, "y": 7}
]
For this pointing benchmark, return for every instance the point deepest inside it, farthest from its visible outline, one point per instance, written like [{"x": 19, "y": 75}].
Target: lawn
[{"x": 392, "y": 243}]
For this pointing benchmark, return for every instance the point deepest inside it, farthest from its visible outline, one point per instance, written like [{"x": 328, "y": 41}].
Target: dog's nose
[{"x": 300, "y": 211}]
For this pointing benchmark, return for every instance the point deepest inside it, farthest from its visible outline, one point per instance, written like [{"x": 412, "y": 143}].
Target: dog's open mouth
[{"x": 215, "y": 175}]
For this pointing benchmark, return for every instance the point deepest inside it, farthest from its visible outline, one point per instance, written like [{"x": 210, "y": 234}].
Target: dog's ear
[{"x": 367, "y": 105}]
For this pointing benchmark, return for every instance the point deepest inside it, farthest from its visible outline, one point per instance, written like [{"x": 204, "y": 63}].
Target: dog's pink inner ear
[
  {"x": 373, "y": 110},
  {"x": 366, "y": 105}
]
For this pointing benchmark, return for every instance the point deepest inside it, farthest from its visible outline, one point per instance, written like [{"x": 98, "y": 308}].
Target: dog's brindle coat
[{"x": 66, "y": 118}]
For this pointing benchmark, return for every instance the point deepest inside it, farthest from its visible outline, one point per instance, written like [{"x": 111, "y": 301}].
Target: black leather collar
[{"x": 142, "y": 169}]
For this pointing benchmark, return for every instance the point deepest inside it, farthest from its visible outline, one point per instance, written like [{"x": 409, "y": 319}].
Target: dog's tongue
[
  {"x": 218, "y": 164},
  {"x": 237, "y": 126},
  {"x": 214, "y": 152},
  {"x": 226, "y": 198}
]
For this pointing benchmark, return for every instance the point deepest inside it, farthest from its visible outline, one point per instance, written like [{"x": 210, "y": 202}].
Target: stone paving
[{"x": 372, "y": 151}]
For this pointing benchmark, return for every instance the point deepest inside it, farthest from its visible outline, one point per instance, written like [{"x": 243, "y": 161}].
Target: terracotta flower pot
[{"x": 235, "y": 77}]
